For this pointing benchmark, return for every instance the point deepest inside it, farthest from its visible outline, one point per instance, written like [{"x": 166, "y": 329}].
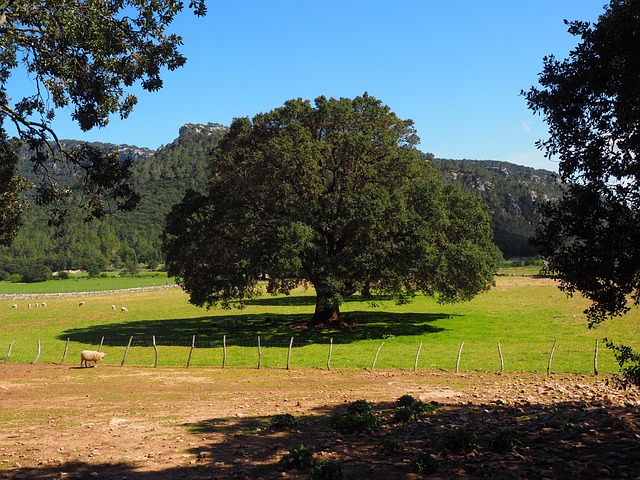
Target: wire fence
[{"x": 261, "y": 352}]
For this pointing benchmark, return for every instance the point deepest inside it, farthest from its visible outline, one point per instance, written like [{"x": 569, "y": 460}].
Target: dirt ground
[{"x": 64, "y": 422}]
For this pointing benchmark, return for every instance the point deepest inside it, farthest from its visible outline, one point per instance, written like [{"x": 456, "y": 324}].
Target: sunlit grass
[{"x": 525, "y": 314}]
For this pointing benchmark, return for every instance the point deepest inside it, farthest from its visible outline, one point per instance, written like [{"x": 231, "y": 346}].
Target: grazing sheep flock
[{"x": 90, "y": 356}]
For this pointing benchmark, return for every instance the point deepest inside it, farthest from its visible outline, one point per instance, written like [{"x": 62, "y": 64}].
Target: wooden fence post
[
  {"x": 289, "y": 354},
  {"x": 155, "y": 348},
  {"x": 9, "y": 352},
  {"x": 459, "y": 353},
  {"x": 553, "y": 349},
  {"x": 101, "y": 342},
  {"x": 224, "y": 351},
  {"x": 415, "y": 364},
  {"x": 595, "y": 360},
  {"x": 66, "y": 349},
  {"x": 193, "y": 345},
  {"x": 38, "y": 355},
  {"x": 330, "y": 351},
  {"x": 501, "y": 359},
  {"x": 259, "y": 354},
  {"x": 375, "y": 359},
  {"x": 124, "y": 357}
]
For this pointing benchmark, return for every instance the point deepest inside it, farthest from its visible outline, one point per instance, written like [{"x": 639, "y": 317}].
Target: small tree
[
  {"x": 335, "y": 196},
  {"x": 590, "y": 238}
]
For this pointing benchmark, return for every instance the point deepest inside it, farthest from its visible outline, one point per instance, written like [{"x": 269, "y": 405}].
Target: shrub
[
  {"x": 329, "y": 470},
  {"x": 409, "y": 409},
  {"x": 459, "y": 440},
  {"x": 505, "y": 440},
  {"x": 425, "y": 463},
  {"x": 391, "y": 445},
  {"x": 359, "y": 418},
  {"x": 299, "y": 458},
  {"x": 283, "y": 421},
  {"x": 15, "y": 278}
]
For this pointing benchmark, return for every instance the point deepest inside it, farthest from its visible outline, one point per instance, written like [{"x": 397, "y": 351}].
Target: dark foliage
[{"x": 590, "y": 238}]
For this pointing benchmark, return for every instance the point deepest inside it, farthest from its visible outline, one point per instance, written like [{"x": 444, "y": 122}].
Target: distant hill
[
  {"x": 510, "y": 192},
  {"x": 161, "y": 178}
]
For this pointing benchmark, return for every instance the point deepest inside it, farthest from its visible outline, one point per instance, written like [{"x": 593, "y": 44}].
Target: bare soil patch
[{"x": 60, "y": 421}]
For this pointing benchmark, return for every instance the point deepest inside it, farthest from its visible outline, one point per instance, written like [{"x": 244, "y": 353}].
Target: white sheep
[
  {"x": 124, "y": 309},
  {"x": 15, "y": 305},
  {"x": 43, "y": 304},
  {"x": 113, "y": 307},
  {"x": 81, "y": 304},
  {"x": 90, "y": 356}
]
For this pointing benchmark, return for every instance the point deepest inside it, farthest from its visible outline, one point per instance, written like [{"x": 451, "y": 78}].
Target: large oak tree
[
  {"x": 81, "y": 54},
  {"x": 591, "y": 102},
  {"x": 334, "y": 195}
]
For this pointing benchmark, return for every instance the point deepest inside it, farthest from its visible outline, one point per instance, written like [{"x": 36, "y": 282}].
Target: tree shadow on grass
[
  {"x": 308, "y": 300},
  {"x": 566, "y": 439},
  {"x": 243, "y": 329}
]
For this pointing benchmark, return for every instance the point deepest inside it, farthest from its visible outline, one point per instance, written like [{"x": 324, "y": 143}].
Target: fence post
[
  {"x": 9, "y": 352},
  {"x": 415, "y": 364},
  {"x": 155, "y": 348},
  {"x": 66, "y": 349},
  {"x": 375, "y": 359},
  {"x": 553, "y": 349},
  {"x": 595, "y": 360},
  {"x": 193, "y": 345},
  {"x": 289, "y": 354},
  {"x": 330, "y": 351},
  {"x": 259, "y": 353},
  {"x": 101, "y": 342},
  {"x": 124, "y": 357},
  {"x": 38, "y": 355},
  {"x": 459, "y": 353},
  {"x": 224, "y": 350},
  {"x": 501, "y": 359}
]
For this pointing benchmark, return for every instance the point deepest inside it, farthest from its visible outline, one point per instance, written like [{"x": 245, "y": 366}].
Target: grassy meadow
[{"x": 524, "y": 314}]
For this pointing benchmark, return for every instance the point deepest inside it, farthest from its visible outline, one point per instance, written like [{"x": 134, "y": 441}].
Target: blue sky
[{"x": 456, "y": 67}]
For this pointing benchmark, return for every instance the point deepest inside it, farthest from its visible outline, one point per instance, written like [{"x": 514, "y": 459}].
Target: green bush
[
  {"x": 505, "y": 440},
  {"x": 459, "y": 440},
  {"x": 391, "y": 445},
  {"x": 283, "y": 421},
  {"x": 300, "y": 458},
  {"x": 329, "y": 470},
  {"x": 425, "y": 463},
  {"x": 359, "y": 418},
  {"x": 409, "y": 409}
]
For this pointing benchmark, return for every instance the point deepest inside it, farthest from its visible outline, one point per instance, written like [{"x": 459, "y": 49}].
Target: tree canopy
[
  {"x": 591, "y": 102},
  {"x": 84, "y": 55},
  {"x": 334, "y": 195}
]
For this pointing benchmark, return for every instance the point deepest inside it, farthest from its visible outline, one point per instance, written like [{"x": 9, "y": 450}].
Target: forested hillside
[
  {"x": 510, "y": 192},
  {"x": 125, "y": 240}
]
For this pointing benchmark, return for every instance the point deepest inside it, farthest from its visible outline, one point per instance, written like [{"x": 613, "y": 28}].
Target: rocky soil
[{"x": 138, "y": 423}]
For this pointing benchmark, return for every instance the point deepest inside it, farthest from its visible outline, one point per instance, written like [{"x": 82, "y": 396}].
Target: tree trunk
[{"x": 327, "y": 312}]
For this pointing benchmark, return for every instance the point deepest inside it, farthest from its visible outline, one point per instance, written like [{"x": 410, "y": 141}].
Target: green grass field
[
  {"x": 525, "y": 314},
  {"x": 84, "y": 283}
]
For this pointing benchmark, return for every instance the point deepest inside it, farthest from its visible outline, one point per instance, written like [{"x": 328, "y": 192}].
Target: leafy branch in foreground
[
  {"x": 82, "y": 55},
  {"x": 590, "y": 238}
]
